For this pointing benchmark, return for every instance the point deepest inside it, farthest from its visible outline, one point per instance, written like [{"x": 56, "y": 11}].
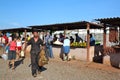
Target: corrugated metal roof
[
  {"x": 16, "y": 30},
  {"x": 115, "y": 21},
  {"x": 68, "y": 26}
]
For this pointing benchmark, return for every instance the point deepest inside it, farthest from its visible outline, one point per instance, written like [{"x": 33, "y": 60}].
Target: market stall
[
  {"x": 72, "y": 26},
  {"x": 112, "y": 51},
  {"x": 113, "y": 26}
]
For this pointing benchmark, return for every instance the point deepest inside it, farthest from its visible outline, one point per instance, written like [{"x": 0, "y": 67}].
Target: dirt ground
[{"x": 60, "y": 70}]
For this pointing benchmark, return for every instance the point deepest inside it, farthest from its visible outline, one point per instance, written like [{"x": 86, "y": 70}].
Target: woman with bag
[{"x": 12, "y": 53}]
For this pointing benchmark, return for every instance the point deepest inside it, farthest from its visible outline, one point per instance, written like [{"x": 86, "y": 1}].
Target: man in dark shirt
[
  {"x": 92, "y": 40},
  {"x": 78, "y": 38},
  {"x": 35, "y": 43}
]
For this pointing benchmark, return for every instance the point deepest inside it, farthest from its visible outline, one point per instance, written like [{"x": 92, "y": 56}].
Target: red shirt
[
  {"x": 13, "y": 46},
  {"x": 6, "y": 39}
]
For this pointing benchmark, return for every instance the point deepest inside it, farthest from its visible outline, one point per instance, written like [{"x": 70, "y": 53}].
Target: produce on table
[{"x": 77, "y": 44}]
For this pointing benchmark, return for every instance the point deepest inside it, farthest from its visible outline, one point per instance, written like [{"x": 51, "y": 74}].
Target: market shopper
[
  {"x": 71, "y": 39},
  {"x": 55, "y": 38},
  {"x": 78, "y": 38},
  {"x": 6, "y": 38},
  {"x": 19, "y": 47},
  {"x": 92, "y": 40},
  {"x": 35, "y": 43},
  {"x": 28, "y": 37},
  {"x": 61, "y": 37},
  {"x": 66, "y": 48},
  {"x": 12, "y": 53},
  {"x": 48, "y": 42},
  {"x": 2, "y": 41}
]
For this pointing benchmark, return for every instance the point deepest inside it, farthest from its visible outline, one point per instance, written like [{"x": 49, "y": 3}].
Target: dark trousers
[{"x": 34, "y": 63}]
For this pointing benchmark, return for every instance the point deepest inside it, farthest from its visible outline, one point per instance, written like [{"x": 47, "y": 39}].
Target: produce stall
[
  {"x": 73, "y": 26},
  {"x": 79, "y": 44}
]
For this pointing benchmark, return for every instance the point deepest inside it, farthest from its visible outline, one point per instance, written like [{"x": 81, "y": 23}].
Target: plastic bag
[
  {"x": 4, "y": 56},
  {"x": 22, "y": 54},
  {"x": 6, "y": 49}
]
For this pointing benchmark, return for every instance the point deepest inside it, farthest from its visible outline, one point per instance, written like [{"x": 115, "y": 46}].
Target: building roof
[
  {"x": 110, "y": 21},
  {"x": 68, "y": 26},
  {"x": 16, "y": 30}
]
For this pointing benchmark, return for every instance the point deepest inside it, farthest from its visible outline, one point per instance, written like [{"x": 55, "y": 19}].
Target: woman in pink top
[{"x": 12, "y": 53}]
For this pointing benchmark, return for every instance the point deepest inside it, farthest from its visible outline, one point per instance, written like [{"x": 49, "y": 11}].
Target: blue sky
[{"x": 22, "y": 13}]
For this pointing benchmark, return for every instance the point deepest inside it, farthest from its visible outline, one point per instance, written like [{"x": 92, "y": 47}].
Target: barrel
[{"x": 115, "y": 60}]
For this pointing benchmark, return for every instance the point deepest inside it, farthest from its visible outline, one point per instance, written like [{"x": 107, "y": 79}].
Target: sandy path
[{"x": 61, "y": 70}]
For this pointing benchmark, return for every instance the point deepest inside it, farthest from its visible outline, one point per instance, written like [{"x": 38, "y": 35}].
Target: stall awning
[
  {"x": 68, "y": 26},
  {"x": 16, "y": 30},
  {"x": 110, "y": 21}
]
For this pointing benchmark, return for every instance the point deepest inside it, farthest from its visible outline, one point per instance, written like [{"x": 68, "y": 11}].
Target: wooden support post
[
  {"x": 88, "y": 41},
  {"x": 18, "y": 34},
  {"x": 65, "y": 30},
  {"x": 119, "y": 35},
  {"x": 104, "y": 36},
  {"x": 25, "y": 39}
]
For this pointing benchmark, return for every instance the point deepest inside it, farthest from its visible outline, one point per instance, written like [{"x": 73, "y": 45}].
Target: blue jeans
[
  {"x": 66, "y": 49},
  {"x": 49, "y": 51}
]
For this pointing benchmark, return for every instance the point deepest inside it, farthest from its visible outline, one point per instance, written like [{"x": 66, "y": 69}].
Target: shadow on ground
[
  {"x": 17, "y": 63},
  {"x": 41, "y": 68}
]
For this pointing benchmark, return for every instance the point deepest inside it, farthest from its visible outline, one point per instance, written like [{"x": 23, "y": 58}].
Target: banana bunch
[{"x": 78, "y": 44}]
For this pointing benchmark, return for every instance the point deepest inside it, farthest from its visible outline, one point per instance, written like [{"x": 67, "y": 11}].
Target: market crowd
[{"x": 13, "y": 47}]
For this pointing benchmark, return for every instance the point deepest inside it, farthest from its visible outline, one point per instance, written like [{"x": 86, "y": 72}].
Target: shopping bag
[
  {"x": 6, "y": 49},
  {"x": 22, "y": 54},
  {"x": 42, "y": 58},
  {"x": 4, "y": 56}
]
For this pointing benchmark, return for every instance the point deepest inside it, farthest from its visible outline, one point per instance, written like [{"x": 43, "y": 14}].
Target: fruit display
[
  {"x": 78, "y": 44},
  {"x": 82, "y": 44}
]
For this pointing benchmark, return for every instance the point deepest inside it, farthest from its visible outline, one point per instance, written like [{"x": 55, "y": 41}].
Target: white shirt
[
  {"x": 19, "y": 43},
  {"x": 66, "y": 42},
  {"x": 2, "y": 40},
  {"x": 9, "y": 39}
]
